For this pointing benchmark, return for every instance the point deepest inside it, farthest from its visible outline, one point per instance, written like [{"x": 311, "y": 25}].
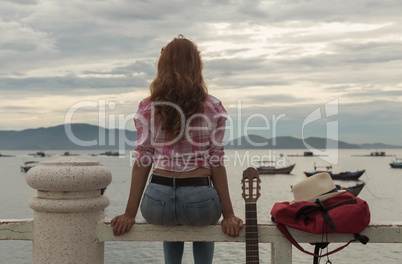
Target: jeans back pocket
[
  {"x": 203, "y": 213},
  {"x": 152, "y": 210}
]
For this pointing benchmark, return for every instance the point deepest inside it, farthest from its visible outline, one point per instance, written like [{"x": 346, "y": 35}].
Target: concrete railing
[
  {"x": 69, "y": 224},
  {"x": 281, "y": 249}
]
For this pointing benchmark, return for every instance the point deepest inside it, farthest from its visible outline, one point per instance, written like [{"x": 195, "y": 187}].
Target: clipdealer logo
[
  {"x": 330, "y": 109},
  {"x": 330, "y": 153}
]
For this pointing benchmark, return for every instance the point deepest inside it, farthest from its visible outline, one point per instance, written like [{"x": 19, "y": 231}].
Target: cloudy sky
[{"x": 272, "y": 63}]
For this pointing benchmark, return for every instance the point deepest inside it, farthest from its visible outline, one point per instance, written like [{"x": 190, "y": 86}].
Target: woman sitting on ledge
[{"x": 180, "y": 130}]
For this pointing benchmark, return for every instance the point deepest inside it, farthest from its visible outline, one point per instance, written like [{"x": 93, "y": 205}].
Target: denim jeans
[{"x": 190, "y": 206}]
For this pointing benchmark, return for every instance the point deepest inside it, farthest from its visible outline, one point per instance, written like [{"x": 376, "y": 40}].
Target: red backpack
[{"x": 343, "y": 213}]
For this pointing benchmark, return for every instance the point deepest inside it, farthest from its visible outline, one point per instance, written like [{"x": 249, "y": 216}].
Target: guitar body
[{"x": 251, "y": 192}]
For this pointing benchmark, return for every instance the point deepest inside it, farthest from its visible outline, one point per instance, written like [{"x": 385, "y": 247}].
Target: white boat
[{"x": 28, "y": 165}]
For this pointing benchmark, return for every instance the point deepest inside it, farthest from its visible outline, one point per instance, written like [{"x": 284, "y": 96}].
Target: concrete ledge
[
  {"x": 378, "y": 232},
  {"x": 16, "y": 229},
  {"x": 281, "y": 249}
]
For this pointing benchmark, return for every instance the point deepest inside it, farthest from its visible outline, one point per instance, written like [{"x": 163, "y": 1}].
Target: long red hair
[{"x": 179, "y": 81}]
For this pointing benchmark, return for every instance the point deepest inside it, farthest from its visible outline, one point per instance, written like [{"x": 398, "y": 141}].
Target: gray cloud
[
  {"x": 338, "y": 10},
  {"x": 69, "y": 84},
  {"x": 21, "y": 47},
  {"x": 23, "y": 2},
  {"x": 273, "y": 99}
]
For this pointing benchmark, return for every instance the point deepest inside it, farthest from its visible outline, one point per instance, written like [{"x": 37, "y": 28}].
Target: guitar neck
[{"x": 252, "y": 254}]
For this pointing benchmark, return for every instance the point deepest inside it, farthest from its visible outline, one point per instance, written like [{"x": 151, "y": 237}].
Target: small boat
[
  {"x": 39, "y": 154},
  {"x": 397, "y": 164},
  {"x": 67, "y": 153},
  {"x": 271, "y": 169},
  {"x": 377, "y": 153},
  {"x": 347, "y": 175},
  {"x": 111, "y": 153},
  {"x": 6, "y": 156},
  {"x": 355, "y": 190},
  {"x": 28, "y": 165},
  {"x": 306, "y": 154},
  {"x": 374, "y": 154}
]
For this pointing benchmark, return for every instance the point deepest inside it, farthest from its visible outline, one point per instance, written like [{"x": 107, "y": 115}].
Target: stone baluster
[{"x": 66, "y": 210}]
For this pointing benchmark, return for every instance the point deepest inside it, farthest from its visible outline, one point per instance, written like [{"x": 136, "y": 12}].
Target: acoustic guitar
[{"x": 251, "y": 193}]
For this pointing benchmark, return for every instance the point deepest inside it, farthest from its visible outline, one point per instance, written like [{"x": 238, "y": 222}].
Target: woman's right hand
[
  {"x": 122, "y": 224},
  {"x": 231, "y": 225}
]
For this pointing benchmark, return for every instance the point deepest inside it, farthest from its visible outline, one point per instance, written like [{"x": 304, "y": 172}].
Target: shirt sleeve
[
  {"x": 216, "y": 151},
  {"x": 144, "y": 151}
]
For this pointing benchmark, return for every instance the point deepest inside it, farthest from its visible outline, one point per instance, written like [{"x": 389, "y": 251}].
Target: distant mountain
[
  {"x": 85, "y": 136},
  {"x": 82, "y": 136},
  {"x": 259, "y": 142},
  {"x": 321, "y": 143},
  {"x": 378, "y": 146}
]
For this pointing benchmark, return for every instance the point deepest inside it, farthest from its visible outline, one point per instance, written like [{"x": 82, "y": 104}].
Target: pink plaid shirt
[{"x": 202, "y": 144}]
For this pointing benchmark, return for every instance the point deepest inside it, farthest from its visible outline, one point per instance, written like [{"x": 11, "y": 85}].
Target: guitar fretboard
[{"x": 252, "y": 254}]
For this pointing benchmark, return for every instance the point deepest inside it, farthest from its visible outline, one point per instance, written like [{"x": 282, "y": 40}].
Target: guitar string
[
  {"x": 252, "y": 209},
  {"x": 254, "y": 234}
]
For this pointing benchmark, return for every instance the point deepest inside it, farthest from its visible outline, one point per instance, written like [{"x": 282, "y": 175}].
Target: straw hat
[{"x": 319, "y": 186}]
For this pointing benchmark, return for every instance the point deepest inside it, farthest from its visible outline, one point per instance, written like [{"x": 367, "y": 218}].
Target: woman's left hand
[
  {"x": 231, "y": 225},
  {"x": 122, "y": 224}
]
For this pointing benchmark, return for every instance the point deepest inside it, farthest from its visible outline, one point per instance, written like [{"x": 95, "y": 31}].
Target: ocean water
[{"x": 382, "y": 192}]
